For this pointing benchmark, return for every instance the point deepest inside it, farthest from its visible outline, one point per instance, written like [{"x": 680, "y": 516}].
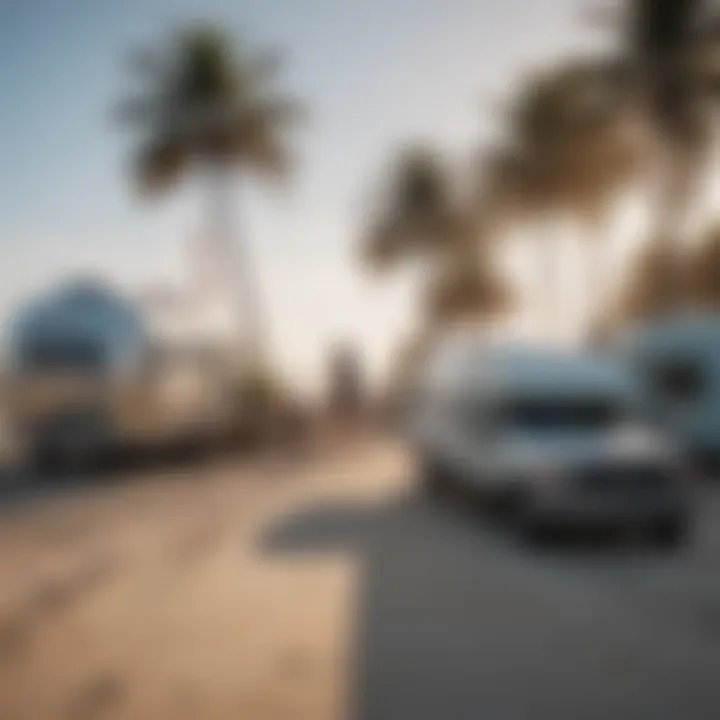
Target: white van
[
  {"x": 676, "y": 361},
  {"x": 556, "y": 438}
]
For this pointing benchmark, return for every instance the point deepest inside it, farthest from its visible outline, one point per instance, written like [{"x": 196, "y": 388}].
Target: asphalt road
[{"x": 329, "y": 589}]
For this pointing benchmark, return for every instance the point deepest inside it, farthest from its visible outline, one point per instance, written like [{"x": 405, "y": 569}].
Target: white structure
[
  {"x": 82, "y": 324},
  {"x": 88, "y": 373}
]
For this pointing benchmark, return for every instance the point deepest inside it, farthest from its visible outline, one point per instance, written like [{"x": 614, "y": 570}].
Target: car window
[
  {"x": 552, "y": 414},
  {"x": 678, "y": 381}
]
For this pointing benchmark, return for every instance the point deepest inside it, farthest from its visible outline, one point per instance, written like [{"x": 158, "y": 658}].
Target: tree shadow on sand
[{"x": 457, "y": 622}]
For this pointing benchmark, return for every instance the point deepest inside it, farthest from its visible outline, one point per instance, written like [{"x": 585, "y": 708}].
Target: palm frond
[
  {"x": 421, "y": 184},
  {"x": 260, "y": 135},
  {"x": 662, "y": 30},
  {"x": 159, "y": 165},
  {"x": 417, "y": 216},
  {"x": 216, "y": 103},
  {"x": 468, "y": 291},
  {"x": 569, "y": 150},
  {"x": 383, "y": 246}
]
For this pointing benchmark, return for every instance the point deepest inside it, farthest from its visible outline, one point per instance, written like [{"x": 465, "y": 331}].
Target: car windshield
[{"x": 552, "y": 414}]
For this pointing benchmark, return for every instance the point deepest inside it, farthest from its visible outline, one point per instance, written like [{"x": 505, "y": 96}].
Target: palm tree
[
  {"x": 418, "y": 218},
  {"x": 670, "y": 74},
  {"x": 423, "y": 221},
  {"x": 600, "y": 154},
  {"x": 569, "y": 152},
  {"x": 208, "y": 107}
]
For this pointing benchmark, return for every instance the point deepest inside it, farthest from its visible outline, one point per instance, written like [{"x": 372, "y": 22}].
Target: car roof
[
  {"x": 516, "y": 369},
  {"x": 687, "y": 333}
]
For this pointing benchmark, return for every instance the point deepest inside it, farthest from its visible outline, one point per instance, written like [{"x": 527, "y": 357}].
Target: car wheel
[
  {"x": 45, "y": 462},
  {"x": 507, "y": 506},
  {"x": 533, "y": 528},
  {"x": 668, "y": 533},
  {"x": 435, "y": 479},
  {"x": 534, "y": 532}
]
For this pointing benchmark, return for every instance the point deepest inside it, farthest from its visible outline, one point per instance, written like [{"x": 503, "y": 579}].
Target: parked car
[
  {"x": 676, "y": 361},
  {"x": 554, "y": 439}
]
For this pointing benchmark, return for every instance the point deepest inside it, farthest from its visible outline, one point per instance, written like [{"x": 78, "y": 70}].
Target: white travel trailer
[
  {"x": 677, "y": 363},
  {"x": 86, "y": 377}
]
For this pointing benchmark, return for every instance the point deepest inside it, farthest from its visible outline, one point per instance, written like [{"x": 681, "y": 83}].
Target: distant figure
[
  {"x": 294, "y": 429},
  {"x": 346, "y": 388}
]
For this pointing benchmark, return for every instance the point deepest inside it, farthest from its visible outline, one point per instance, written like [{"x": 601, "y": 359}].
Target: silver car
[{"x": 553, "y": 438}]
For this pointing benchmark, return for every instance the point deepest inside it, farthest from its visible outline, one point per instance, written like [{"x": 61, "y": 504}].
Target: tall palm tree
[
  {"x": 207, "y": 105},
  {"x": 671, "y": 75},
  {"x": 417, "y": 217},
  {"x": 569, "y": 152},
  {"x": 422, "y": 220},
  {"x": 600, "y": 154}
]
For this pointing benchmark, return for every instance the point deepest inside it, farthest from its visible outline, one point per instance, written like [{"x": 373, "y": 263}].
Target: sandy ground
[
  {"x": 156, "y": 599},
  {"x": 328, "y": 589}
]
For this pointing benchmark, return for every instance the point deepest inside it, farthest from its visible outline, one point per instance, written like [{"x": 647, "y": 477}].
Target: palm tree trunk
[
  {"x": 596, "y": 278},
  {"x": 548, "y": 279},
  {"x": 242, "y": 288},
  {"x": 677, "y": 180}
]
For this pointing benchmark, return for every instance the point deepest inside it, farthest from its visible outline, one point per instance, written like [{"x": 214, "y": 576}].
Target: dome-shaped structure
[{"x": 82, "y": 324}]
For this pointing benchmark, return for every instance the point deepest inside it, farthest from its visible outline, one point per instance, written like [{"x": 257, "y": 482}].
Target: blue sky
[{"x": 373, "y": 73}]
